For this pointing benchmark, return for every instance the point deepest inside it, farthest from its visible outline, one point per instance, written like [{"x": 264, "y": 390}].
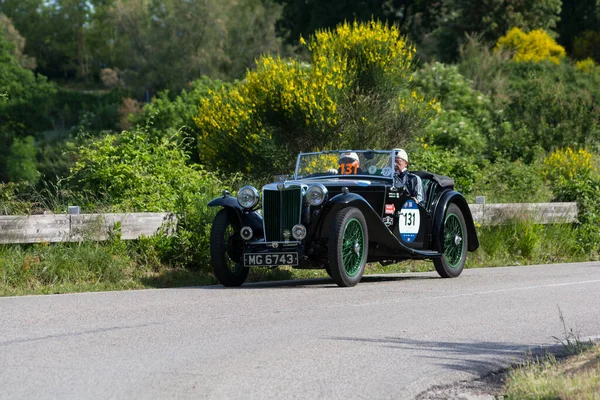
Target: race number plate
[
  {"x": 409, "y": 221},
  {"x": 270, "y": 259}
]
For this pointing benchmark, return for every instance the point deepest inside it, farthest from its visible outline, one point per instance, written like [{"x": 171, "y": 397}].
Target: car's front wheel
[
  {"x": 455, "y": 244},
  {"x": 348, "y": 247},
  {"x": 226, "y": 251}
]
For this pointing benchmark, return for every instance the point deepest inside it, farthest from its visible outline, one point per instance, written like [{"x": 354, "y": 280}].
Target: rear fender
[{"x": 443, "y": 203}]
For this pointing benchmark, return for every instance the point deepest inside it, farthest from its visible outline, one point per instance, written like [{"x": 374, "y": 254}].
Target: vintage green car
[{"x": 340, "y": 210}]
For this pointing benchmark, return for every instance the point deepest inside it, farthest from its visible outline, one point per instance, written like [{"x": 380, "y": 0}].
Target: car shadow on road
[
  {"x": 320, "y": 283},
  {"x": 470, "y": 356}
]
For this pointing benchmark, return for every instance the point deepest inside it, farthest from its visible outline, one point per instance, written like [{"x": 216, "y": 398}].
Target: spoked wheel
[
  {"x": 455, "y": 244},
  {"x": 226, "y": 251},
  {"x": 348, "y": 247}
]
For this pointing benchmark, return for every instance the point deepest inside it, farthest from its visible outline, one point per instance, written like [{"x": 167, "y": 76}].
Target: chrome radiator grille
[{"x": 281, "y": 211}]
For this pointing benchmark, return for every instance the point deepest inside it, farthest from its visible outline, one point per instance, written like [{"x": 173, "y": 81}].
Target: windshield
[{"x": 347, "y": 162}]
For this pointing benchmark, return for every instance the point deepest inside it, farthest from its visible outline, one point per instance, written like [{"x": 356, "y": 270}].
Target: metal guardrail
[{"x": 74, "y": 228}]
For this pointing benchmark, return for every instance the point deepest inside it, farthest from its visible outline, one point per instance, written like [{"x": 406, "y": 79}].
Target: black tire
[
  {"x": 226, "y": 252},
  {"x": 347, "y": 256},
  {"x": 455, "y": 244}
]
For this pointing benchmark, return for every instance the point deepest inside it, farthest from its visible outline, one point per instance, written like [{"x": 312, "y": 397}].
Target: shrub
[
  {"x": 356, "y": 91},
  {"x": 463, "y": 170},
  {"x": 20, "y": 163},
  {"x": 546, "y": 106},
  {"x": 535, "y": 46},
  {"x": 140, "y": 173},
  {"x": 164, "y": 113},
  {"x": 483, "y": 66},
  {"x": 588, "y": 65},
  {"x": 586, "y": 192},
  {"x": 568, "y": 164},
  {"x": 506, "y": 181},
  {"x": 465, "y": 119}
]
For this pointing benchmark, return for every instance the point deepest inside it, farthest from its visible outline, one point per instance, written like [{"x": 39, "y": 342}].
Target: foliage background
[{"x": 127, "y": 105}]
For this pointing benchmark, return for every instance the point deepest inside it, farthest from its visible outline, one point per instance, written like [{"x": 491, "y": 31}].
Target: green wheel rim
[
  {"x": 353, "y": 247},
  {"x": 453, "y": 240}
]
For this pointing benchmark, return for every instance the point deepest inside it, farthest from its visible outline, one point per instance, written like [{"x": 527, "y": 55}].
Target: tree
[
  {"x": 304, "y": 17},
  {"x": 576, "y": 17},
  {"x": 26, "y": 100},
  {"x": 173, "y": 42},
  {"x": 12, "y": 35},
  {"x": 490, "y": 19}
]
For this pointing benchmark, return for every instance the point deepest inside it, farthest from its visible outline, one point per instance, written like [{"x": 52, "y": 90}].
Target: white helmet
[
  {"x": 401, "y": 153},
  {"x": 349, "y": 155}
]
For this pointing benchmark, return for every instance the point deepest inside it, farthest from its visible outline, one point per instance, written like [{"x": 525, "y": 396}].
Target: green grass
[
  {"x": 121, "y": 265},
  {"x": 525, "y": 243},
  {"x": 577, "y": 377}
]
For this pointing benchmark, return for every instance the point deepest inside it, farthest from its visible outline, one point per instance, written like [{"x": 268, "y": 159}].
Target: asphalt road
[{"x": 388, "y": 337}]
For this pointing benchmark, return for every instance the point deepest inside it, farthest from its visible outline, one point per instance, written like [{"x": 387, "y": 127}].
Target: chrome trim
[
  {"x": 249, "y": 236},
  {"x": 270, "y": 244},
  {"x": 323, "y": 189},
  {"x": 255, "y": 192},
  {"x": 287, "y": 185},
  {"x": 390, "y": 152}
]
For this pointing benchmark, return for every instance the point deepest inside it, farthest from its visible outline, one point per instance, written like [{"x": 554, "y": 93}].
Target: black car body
[{"x": 363, "y": 217}]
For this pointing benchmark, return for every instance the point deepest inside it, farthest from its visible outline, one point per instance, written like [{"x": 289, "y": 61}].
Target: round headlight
[
  {"x": 247, "y": 197},
  {"x": 316, "y": 194}
]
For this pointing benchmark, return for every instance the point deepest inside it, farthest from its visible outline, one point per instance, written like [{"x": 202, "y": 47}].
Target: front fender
[
  {"x": 238, "y": 214},
  {"x": 444, "y": 201}
]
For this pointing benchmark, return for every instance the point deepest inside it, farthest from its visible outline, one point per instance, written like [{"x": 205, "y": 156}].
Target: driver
[
  {"x": 409, "y": 182},
  {"x": 349, "y": 164}
]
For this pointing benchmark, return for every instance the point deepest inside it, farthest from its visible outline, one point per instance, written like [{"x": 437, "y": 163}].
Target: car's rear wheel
[
  {"x": 455, "y": 244},
  {"x": 348, "y": 247},
  {"x": 226, "y": 251}
]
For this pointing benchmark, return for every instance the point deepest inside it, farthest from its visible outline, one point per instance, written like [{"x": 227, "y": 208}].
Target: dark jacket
[{"x": 412, "y": 184}]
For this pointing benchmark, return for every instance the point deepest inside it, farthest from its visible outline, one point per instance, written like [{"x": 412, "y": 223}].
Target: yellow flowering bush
[
  {"x": 370, "y": 50},
  {"x": 535, "y": 46},
  {"x": 588, "y": 65},
  {"x": 355, "y": 92},
  {"x": 568, "y": 164},
  {"x": 318, "y": 163}
]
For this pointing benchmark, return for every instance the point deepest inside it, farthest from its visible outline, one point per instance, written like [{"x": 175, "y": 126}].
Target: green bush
[
  {"x": 20, "y": 163},
  {"x": 463, "y": 170},
  {"x": 138, "y": 172},
  {"x": 546, "y": 106},
  {"x": 465, "y": 121},
  {"x": 164, "y": 114},
  {"x": 511, "y": 182},
  {"x": 355, "y": 93},
  {"x": 586, "y": 192},
  {"x": 12, "y": 201}
]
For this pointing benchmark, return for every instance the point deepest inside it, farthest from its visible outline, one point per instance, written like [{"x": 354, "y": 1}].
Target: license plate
[{"x": 270, "y": 259}]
